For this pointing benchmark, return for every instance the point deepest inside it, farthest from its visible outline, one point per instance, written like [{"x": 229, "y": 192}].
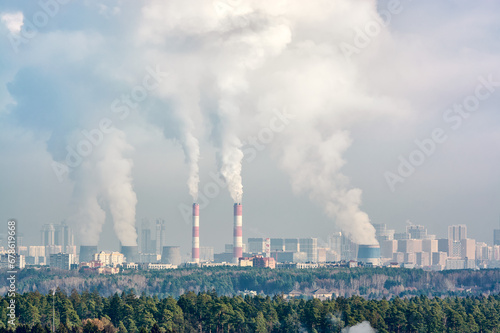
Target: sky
[{"x": 315, "y": 115}]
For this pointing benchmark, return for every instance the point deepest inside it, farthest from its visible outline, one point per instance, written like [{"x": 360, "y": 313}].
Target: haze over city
[{"x": 320, "y": 116}]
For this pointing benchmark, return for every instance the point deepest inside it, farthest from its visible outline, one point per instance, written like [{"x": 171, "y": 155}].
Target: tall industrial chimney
[
  {"x": 196, "y": 233},
  {"x": 238, "y": 233}
]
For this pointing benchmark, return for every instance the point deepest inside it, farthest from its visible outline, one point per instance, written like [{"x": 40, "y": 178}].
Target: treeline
[
  {"x": 371, "y": 283},
  {"x": 208, "y": 312}
]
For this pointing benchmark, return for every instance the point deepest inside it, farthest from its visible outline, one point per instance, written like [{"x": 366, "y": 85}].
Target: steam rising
[
  {"x": 257, "y": 57},
  {"x": 116, "y": 181},
  {"x": 192, "y": 151},
  {"x": 231, "y": 67},
  {"x": 89, "y": 216},
  {"x": 104, "y": 181}
]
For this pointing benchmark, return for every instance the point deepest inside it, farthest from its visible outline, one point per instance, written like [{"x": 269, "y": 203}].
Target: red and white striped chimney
[
  {"x": 196, "y": 233},
  {"x": 238, "y": 233}
]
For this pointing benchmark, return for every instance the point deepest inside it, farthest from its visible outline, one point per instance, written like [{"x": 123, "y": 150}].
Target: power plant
[
  {"x": 196, "y": 233},
  {"x": 369, "y": 254},
  {"x": 238, "y": 233}
]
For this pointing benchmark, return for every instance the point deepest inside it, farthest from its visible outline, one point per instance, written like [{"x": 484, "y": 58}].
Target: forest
[
  {"x": 370, "y": 283},
  {"x": 209, "y": 312}
]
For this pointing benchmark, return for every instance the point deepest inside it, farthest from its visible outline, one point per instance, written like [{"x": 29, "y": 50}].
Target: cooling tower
[
  {"x": 87, "y": 252},
  {"x": 131, "y": 253},
  {"x": 171, "y": 255},
  {"x": 196, "y": 233},
  {"x": 369, "y": 254},
  {"x": 238, "y": 233}
]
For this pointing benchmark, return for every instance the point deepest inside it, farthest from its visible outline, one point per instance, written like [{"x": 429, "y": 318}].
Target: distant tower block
[
  {"x": 238, "y": 233},
  {"x": 196, "y": 233}
]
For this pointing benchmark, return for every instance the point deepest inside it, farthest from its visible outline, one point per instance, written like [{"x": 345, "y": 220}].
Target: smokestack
[
  {"x": 131, "y": 253},
  {"x": 196, "y": 233},
  {"x": 238, "y": 233},
  {"x": 87, "y": 252}
]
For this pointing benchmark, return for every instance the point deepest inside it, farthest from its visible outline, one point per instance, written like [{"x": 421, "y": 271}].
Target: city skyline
[{"x": 152, "y": 224}]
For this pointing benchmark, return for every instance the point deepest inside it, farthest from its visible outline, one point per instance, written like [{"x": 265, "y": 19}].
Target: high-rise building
[
  {"x": 207, "y": 253},
  {"x": 416, "y": 231},
  {"x": 62, "y": 260},
  {"x": 57, "y": 234},
  {"x": 277, "y": 244},
  {"x": 468, "y": 249},
  {"x": 401, "y": 235},
  {"x": 292, "y": 244},
  {"x": 47, "y": 234},
  {"x": 443, "y": 245},
  {"x": 146, "y": 246},
  {"x": 310, "y": 246},
  {"x": 382, "y": 233},
  {"x": 349, "y": 249},
  {"x": 256, "y": 245},
  {"x": 409, "y": 245},
  {"x": 228, "y": 248},
  {"x": 153, "y": 238},
  {"x": 160, "y": 235},
  {"x": 455, "y": 234},
  {"x": 335, "y": 242},
  {"x": 481, "y": 251},
  {"x": 63, "y": 235},
  {"x": 496, "y": 237},
  {"x": 430, "y": 245},
  {"x": 388, "y": 248}
]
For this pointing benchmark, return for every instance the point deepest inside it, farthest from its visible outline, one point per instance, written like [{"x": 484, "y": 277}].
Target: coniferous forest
[
  {"x": 208, "y": 312},
  {"x": 218, "y": 300}
]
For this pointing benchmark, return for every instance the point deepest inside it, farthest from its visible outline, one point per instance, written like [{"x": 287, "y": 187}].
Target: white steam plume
[
  {"x": 116, "y": 185},
  {"x": 229, "y": 44},
  {"x": 89, "y": 216},
  {"x": 188, "y": 109},
  {"x": 192, "y": 152},
  {"x": 319, "y": 175},
  {"x": 260, "y": 56}
]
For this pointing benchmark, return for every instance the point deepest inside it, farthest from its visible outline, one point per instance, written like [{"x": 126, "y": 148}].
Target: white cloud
[{"x": 13, "y": 21}]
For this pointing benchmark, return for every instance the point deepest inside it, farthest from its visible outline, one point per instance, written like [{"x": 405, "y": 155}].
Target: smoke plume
[
  {"x": 116, "y": 186},
  {"x": 226, "y": 45},
  {"x": 89, "y": 217},
  {"x": 257, "y": 57},
  {"x": 192, "y": 151}
]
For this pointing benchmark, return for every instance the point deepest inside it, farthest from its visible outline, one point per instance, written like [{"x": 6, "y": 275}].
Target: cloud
[
  {"x": 13, "y": 21},
  {"x": 231, "y": 67}
]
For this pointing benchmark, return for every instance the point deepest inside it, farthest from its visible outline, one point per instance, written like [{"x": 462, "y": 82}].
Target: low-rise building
[{"x": 259, "y": 261}]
